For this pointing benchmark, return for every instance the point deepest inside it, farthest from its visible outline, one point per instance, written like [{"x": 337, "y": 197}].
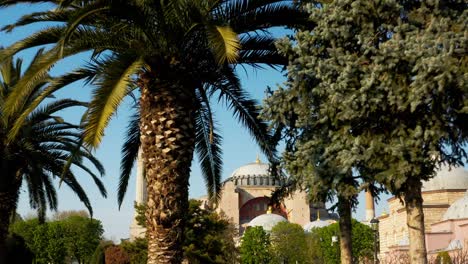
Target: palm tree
[
  {"x": 180, "y": 54},
  {"x": 45, "y": 148}
]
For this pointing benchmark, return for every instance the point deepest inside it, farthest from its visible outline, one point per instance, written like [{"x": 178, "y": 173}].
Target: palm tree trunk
[
  {"x": 167, "y": 138},
  {"x": 8, "y": 200},
  {"x": 344, "y": 210},
  {"x": 415, "y": 222}
]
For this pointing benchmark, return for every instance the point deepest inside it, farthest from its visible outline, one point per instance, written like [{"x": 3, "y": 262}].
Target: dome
[
  {"x": 317, "y": 224},
  {"x": 267, "y": 221},
  {"x": 258, "y": 169},
  {"x": 458, "y": 210},
  {"x": 456, "y": 178},
  {"x": 253, "y": 174},
  {"x": 454, "y": 245}
]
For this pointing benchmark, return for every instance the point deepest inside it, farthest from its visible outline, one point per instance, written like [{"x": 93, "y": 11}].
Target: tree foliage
[
  {"x": 42, "y": 148},
  {"x": 289, "y": 244},
  {"x": 255, "y": 246},
  {"x": 99, "y": 256},
  {"x": 81, "y": 235},
  {"x": 137, "y": 250},
  {"x": 208, "y": 238},
  {"x": 378, "y": 88},
  {"x": 362, "y": 239},
  {"x": 74, "y": 238}
]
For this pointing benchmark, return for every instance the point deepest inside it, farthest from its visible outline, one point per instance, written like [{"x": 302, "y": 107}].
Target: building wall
[
  {"x": 298, "y": 208},
  {"x": 229, "y": 203},
  {"x": 249, "y": 200},
  {"x": 444, "y": 232},
  {"x": 393, "y": 228}
]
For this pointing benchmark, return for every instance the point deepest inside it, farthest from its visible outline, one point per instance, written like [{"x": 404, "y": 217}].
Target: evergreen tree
[{"x": 378, "y": 88}]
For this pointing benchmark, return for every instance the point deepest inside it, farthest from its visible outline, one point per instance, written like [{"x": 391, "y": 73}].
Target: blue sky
[{"x": 238, "y": 147}]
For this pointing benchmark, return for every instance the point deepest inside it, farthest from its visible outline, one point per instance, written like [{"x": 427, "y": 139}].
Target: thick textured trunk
[
  {"x": 167, "y": 138},
  {"x": 8, "y": 200},
  {"x": 415, "y": 222},
  {"x": 344, "y": 209}
]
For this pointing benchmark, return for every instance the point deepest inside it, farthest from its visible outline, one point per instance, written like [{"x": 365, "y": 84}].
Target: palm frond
[
  {"x": 259, "y": 16},
  {"x": 129, "y": 154},
  {"x": 53, "y": 86},
  {"x": 46, "y": 36},
  {"x": 246, "y": 110},
  {"x": 257, "y": 50},
  {"x": 47, "y": 16},
  {"x": 224, "y": 43},
  {"x": 114, "y": 85},
  {"x": 208, "y": 147}
]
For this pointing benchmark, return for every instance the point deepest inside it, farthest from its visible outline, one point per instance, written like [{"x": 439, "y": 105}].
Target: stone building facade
[
  {"x": 245, "y": 195},
  {"x": 438, "y": 194}
]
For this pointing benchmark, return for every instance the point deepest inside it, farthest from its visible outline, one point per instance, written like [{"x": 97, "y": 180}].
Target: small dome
[
  {"x": 267, "y": 221},
  {"x": 454, "y": 245},
  {"x": 456, "y": 178},
  {"x": 319, "y": 223},
  {"x": 253, "y": 174},
  {"x": 458, "y": 210}
]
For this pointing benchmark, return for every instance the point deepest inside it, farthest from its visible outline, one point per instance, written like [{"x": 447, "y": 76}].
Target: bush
[
  {"x": 136, "y": 250},
  {"x": 116, "y": 255},
  {"x": 99, "y": 256},
  {"x": 443, "y": 258}
]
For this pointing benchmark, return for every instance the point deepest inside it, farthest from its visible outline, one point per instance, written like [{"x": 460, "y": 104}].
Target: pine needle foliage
[{"x": 379, "y": 88}]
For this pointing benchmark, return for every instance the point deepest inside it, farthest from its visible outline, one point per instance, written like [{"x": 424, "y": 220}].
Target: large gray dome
[
  {"x": 253, "y": 174},
  {"x": 267, "y": 221},
  {"x": 456, "y": 178},
  {"x": 458, "y": 210}
]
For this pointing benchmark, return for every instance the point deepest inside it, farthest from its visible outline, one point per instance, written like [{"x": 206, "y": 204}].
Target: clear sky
[{"x": 238, "y": 147}]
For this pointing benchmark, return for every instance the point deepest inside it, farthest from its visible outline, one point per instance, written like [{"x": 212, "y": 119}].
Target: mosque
[{"x": 246, "y": 195}]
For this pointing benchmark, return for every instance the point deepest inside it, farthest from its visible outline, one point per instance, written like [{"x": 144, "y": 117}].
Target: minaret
[
  {"x": 140, "y": 181},
  {"x": 370, "y": 210},
  {"x": 140, "y": 197}
]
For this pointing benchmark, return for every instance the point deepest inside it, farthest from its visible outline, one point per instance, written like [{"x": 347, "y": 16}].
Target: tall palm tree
[
  {"x": 44, "y": 148},
  {"x": 180, "y": 54}
]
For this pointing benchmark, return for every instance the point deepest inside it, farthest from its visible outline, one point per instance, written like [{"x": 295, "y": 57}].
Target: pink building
[
  {"x": 445, "y": 209},
  {"x": 451, "y": 233}
]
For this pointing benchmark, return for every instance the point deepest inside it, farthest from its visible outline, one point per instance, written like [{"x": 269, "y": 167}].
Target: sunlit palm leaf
[
  {"x": 113, "y": 87},
  {"x": 224, "y": 42}
]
